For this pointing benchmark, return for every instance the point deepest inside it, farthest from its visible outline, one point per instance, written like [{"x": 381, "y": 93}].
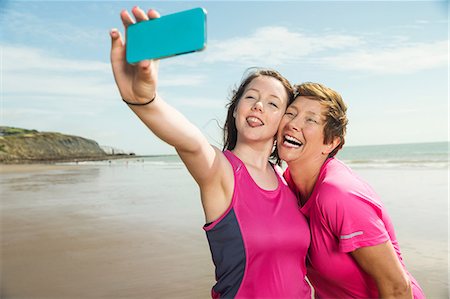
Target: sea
[
  {"x": 415, "y": 155},
  {"x": 408, "y": 155}
]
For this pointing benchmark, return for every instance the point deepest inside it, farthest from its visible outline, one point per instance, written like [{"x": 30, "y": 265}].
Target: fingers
[
  {"x": 117, "y": 47},
  {"x": 139, "y": 14},
  {"x": 147, "y": 71},
  {"x": 117, "y": 42},
  {"x": 126, "y": 18},
  {"x": 153, "y": 14},
  {"x": 144, "y": 69},
  {"x": 116, "y": 39},
  {"x": 117, "y": 50}
]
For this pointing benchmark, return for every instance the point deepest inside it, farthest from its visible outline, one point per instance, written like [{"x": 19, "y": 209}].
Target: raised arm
[
  {"x": 138, "y": 85},
  {"x": 381, "y": 262}
]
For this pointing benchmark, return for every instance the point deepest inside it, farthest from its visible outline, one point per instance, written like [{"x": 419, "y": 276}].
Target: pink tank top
[{"x": 259, "y": 244}]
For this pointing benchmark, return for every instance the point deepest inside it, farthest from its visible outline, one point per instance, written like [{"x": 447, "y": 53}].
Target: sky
[{"x": 388, "y": 60}]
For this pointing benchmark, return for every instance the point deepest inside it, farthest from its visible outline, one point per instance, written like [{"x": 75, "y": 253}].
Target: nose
[
  {"x": 258, "y": 106},
  {"x": 293, "y": 125}
]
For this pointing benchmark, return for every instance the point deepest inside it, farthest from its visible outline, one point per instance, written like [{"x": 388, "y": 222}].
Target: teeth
[{"x": 292, "y": 141}]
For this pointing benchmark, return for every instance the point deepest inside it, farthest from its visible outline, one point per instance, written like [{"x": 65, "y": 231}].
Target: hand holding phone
[{"x": 169, "y": 35}]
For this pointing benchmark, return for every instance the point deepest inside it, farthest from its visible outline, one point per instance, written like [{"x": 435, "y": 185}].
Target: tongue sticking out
[{"x": 254, "y": 122}]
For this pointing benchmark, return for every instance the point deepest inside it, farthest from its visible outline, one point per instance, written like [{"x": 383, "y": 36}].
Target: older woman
[{"x": 354, "y": 252}]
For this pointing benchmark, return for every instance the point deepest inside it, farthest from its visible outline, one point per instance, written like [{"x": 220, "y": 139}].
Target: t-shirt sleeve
[{"x": 354, "y": 219}]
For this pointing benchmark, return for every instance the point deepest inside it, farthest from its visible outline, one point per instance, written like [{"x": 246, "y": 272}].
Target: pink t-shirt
[{"x": 344, "y": 214}]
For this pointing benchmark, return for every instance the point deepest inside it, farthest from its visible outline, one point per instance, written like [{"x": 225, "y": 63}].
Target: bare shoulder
[{"x": 217, "y": 191}]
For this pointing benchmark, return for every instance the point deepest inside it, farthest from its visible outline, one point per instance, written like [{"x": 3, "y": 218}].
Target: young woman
[
  {"x": 354, "y": 252},
  {"x": 257, "y": 236}
]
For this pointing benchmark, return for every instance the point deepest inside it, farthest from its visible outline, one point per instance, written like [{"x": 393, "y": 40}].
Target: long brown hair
[{"x": 229, "y": 130}]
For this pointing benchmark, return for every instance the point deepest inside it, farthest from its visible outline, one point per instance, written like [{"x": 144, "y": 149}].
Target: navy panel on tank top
[{"x": 227, "y": 248}]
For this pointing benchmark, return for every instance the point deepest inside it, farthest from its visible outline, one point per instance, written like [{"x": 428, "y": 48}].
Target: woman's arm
[
  {"x": 382, "y": 264},
  {"x": 138, "y": 84}
]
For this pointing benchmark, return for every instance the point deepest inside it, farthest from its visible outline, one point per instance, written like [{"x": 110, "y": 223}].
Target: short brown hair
[{"x": 335, "y": 115}]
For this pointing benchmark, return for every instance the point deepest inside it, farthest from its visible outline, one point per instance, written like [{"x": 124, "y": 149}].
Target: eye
[
  {"x": 273, "y": 104},
  {"x": 289, "y": 114},
  {"x": 311, "y": 120}
]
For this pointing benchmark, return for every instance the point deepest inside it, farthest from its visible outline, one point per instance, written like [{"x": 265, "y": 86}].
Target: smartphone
[{"x": 174, "y": 34}]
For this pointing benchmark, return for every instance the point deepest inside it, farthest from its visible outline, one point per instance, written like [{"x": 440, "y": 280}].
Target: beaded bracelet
[{"x": 139, "y": 104}]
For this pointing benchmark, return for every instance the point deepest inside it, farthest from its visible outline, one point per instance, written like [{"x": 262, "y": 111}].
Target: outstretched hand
[{"x": 137, "y": 83}]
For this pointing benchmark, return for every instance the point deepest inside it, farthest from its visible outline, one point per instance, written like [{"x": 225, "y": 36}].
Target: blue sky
[{"x": 389, "y": 61}]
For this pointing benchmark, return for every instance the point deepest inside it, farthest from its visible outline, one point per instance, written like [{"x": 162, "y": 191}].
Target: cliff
[{"x": 21, "y": 146}]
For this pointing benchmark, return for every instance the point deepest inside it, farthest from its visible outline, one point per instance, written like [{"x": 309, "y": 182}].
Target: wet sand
[
  {"x": 134, "y": 231},
  {"x": 417, "y": 201},
  {"x": 92, "y": 245}
]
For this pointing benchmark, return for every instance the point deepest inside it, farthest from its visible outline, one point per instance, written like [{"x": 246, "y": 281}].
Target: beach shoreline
[
  {"x": 67, "y": 160},
  {"x": 127, "y": 230}
]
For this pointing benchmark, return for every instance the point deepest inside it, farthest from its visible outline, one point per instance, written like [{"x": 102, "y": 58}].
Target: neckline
[
  {"x": 250, "y": 176},
  {"x": 312, "y": 197}
]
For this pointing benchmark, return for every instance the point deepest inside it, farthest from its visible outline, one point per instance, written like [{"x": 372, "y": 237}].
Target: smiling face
[
  {"x": 260, "y": 109},
  {"x": 301, "y": 132}
]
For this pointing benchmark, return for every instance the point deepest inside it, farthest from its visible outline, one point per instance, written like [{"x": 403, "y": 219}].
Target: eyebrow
[
  {"x": 311, "y": 113},
  {"x": 257, "y": 90}
]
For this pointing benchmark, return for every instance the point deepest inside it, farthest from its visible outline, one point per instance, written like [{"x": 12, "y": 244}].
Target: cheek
[
  {"x": 277, "y": 120},
  {"x": 240, "y": 105},
  {"x": 279, "y": 136},
  {"x": 313, "y": 134},
  {"x": 238, "y": 109},
  {"x": 283, "y": 123}
]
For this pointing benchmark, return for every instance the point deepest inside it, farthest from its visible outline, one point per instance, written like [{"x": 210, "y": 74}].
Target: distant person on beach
[
  {"x": 257, "y": 235},
  {"x": 354, "y": 252}
]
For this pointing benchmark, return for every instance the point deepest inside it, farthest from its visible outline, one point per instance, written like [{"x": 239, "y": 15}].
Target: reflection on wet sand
[
  {"x": 62, "y": 241},
  {"x": 134, "y": 231}
]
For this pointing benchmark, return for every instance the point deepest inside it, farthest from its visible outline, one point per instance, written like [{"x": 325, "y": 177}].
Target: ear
[
  {"x": 234, "y": 113},
  {"x": 332, "y": 145}
]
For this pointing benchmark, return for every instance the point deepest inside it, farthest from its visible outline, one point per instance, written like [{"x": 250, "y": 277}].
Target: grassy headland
[{"x": 19, "y": 145}]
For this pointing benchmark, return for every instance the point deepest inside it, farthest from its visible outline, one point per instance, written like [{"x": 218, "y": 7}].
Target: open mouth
[
  {"x": 291, "y": 141},
  {"x": 254, "y": 121}
]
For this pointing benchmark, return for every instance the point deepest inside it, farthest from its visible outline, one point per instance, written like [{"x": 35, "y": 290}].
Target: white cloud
[
  {"x": 202, "y": 103},
  {"x": 275, "y": 45},
  {"x": 279, "y": 45},
  {"x": 187, "y": 79},
  {"x": 26, "y": 59},
  {"x": 72, "y": 96},
  {"x": 32, "y": 72},
  {"x": 394, "y": 60},
  {"x": 25, "y": 25},
  {"x": 18, "y": 113}
]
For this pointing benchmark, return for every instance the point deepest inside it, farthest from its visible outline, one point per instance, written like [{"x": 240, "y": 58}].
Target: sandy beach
[
  {"x": 74, "y": 232},
  {"x": 134, "y": 230}
]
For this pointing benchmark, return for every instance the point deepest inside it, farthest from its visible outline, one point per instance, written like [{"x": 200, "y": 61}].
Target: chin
[
  {"x": 288, "y": 154},
  {"x": 283, "y": 155}
]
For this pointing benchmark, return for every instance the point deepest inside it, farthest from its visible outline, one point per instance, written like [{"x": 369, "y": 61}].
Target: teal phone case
[{"x": 170, "y": 35}]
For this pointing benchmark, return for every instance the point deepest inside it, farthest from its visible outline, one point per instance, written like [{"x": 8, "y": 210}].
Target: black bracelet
[{"x": 139, "y": 104}]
